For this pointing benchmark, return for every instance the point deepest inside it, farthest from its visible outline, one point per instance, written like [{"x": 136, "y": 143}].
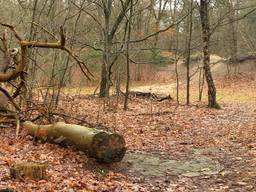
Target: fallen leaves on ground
[{"x": 154, "y": 127}]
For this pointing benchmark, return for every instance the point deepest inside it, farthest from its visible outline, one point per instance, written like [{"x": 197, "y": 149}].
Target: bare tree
[
  {"x": 109, "y": 32},
  {"x": 128, "y": 58},
  {"x": 233, "y": 32},
  {"x": 188, "y": 47},
  {"x": 204, "y": 14}
]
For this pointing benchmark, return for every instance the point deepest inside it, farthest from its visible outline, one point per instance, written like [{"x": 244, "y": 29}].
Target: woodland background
[{"x": 175, "y": 78}]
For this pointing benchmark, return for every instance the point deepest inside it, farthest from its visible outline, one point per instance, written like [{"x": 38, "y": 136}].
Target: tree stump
[
  {"x": 7, "y": 190},
  {"x": 31, "y": 170}
]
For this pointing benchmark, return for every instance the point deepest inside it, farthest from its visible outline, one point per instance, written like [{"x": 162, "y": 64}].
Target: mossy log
[
  {"x": 103, "y": 146},
  {"x": 32, "y": 170}
]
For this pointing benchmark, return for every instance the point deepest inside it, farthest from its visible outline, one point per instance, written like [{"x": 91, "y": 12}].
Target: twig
[
  {"x": 10, "y": 98},
  {"x": 17, "y": 126}
]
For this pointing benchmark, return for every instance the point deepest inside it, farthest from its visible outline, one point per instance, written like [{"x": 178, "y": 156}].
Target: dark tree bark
[
  {"x": 212, "y": 102},
  {"x": 109, "y": 34},
  {"x": 105, "y": 81}
]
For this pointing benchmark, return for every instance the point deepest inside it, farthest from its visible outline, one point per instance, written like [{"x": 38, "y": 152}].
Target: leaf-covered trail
[{"x": 162, "y": 129}]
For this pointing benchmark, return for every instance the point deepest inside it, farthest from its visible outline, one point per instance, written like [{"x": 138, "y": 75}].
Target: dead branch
[
  {"x": 24, "y": 45},
  {"x": 150, "y": 95},
  {"x": 10, "y": 98}
]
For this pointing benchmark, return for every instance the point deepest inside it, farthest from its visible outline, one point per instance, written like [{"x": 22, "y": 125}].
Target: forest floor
[{"x": 170, "y": 147}]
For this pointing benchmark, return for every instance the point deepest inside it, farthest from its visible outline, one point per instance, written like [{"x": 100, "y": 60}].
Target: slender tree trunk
[
  {"x": 233, "y": 34},
  {"x": 201, "y": 85},
  {"x": 127, "y": 60},
  {"x": 105, "y": 81},
  {"x": 109, "y": 34},
  {"x": 176, "y": 54},
  {"x": 105, "y": 70},
  {"x": 67, "y": 64},
  {"x": 33, "y": 54},
  {"x": 188, "y": 47},
  {"x": 212, "y": 102}
]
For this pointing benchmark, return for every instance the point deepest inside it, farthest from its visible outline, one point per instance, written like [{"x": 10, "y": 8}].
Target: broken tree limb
[
  {"x": 103, "y": 146},
  {"x": 25, "y": 45},
  {"x": 157, "y": 97}
]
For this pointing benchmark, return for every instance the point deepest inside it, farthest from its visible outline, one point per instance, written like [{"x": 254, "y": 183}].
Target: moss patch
[{"x": 155, "y": 166}]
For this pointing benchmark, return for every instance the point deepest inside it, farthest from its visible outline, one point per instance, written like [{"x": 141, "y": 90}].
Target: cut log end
[
  {"x": 105, "y": 147},
  {"x": 31, "y": 170},
  {"x": 108, "y": 148}
]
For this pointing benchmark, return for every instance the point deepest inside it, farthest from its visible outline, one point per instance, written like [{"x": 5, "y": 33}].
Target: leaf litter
[{"x": 170, "y": 148}]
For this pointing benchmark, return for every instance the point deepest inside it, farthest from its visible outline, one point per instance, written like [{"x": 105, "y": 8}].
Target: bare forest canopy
[
  {"x": 49, "y": 45},
  {"x": 158, "y": 29}
]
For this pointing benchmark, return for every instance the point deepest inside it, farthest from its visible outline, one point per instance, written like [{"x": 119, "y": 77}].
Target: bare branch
[{"x": 24, "y": 45}]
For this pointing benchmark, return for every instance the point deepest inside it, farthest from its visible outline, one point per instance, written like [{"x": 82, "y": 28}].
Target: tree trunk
[
  {"x": 105, "y": 70},
  {"x": 104, "y": 88},
  {"x": 201, "y": 85},
  {"x": 176, "y": 52},
  {"x": 105, "y": 81},
  {"x": 106, "y": 66},
  {"x": 109, "y": 33},
  {"x": 233, "y": 33},
  {"x": 212, "y": 103},
  {"x": 103, "y": 146},
  {"x": 188, "y": 47},
  {"x": 127, "y": 87}
]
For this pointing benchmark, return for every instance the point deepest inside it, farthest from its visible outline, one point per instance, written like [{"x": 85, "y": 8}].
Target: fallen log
[
  {"x": 149, "y": 95},
  {"x": 103, "y": 146},
  {"x": 241, "y": 59}
]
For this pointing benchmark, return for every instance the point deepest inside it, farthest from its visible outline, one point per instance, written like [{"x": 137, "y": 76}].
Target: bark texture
[
  {"x": 204, "y": 13},
  {"x": 32, "y": 170},
  {"x": 103, "y": 146}
]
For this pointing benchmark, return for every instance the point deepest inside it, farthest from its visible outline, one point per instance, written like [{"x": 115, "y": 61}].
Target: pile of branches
[{"x": 149, "y": 95}]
